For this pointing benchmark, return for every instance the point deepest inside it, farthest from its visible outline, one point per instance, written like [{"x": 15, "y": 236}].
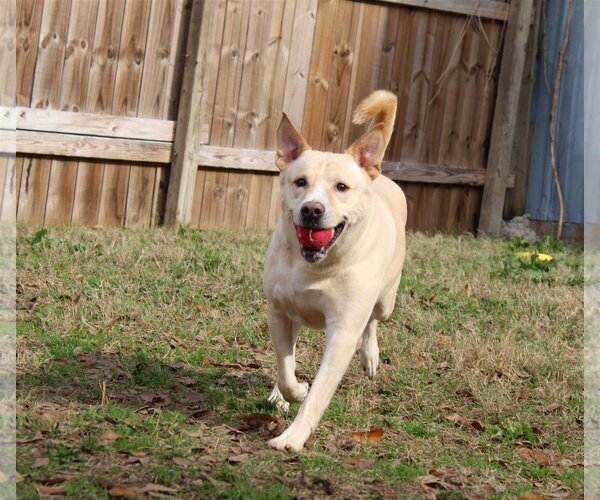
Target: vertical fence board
[
  {"x": 303, "y": 31},
  {"x": 29, "y": 18},
  {"x": 45, "y": 94},
  {"x": 153, "y": 94},
  {"x": 99, "y": 96},
  {"x": 113, "y": 201},
  {"x": 78, "y": 52}
]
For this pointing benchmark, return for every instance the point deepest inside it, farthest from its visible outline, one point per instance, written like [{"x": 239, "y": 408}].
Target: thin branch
[{"x": 555, "y": 94}]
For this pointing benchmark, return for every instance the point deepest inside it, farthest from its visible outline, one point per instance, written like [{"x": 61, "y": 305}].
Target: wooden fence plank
[
  {"x": 259, "y": 201},
  {"x": 229, "y": 79},
  {"x": 153, "y": 94},
  {"x": 521, "y": 157},
  {"x": 320, "y": 65},
  {"x": 45, "y": 94},
  {"x": 81, "y": 146},
  {"x": 102, "y": 125},
  {"x": 115, "y": 182},
  {"x": 299, "y": 61},
  {"x": 492, "y": 9},
  {"x": 191, "y": 111},
  {"x": 29, "y": 18},
  {"x": 99, "y": 94},
  {"x": 507, "y": 101},
  {"x": 78, "y": 53}
]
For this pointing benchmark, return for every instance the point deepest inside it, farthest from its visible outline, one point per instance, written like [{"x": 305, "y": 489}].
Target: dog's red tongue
[{"x": 314, "y": 238}]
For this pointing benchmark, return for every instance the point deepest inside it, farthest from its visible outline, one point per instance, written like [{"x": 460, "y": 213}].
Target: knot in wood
[
  {"x": 332, "y": 131},
  {"x": 83, "y": 44},
  {"x": 219, "y": 192}
]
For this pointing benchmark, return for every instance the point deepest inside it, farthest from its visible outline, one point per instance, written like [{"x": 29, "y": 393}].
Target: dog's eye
[
  {"x": 300, "y": 182},
  {"x": 340, "y": 186}
]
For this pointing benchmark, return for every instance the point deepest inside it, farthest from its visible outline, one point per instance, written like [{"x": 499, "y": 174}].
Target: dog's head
[{"x": 324, "y": 194}]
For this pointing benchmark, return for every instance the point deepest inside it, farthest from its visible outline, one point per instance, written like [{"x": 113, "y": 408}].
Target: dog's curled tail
[{"x": 380, "y": 106}]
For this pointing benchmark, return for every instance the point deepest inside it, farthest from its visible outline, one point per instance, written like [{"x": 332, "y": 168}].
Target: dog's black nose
[{"x": 312, "y": 211}]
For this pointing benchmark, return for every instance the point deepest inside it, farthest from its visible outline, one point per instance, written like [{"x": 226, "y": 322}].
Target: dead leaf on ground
[
  {"x": 238, "y": 459},
  {"x": 182, "y": 462},
  {"x": 465, "y": 393},
  {"x": 109, "y": 435},
  {"x": 157, "y": 488},
  {"x": 554, "y": 408},
  {"x": 40, "y": 462},
  {"x": 51, "y": 490},
  {"x": 361, "y": 462},
  {"x": 533, "y": 456},
  {"x": 384, "y": 376},
  {"x": 175, "y": 342},
  {"x": 121, "y": 491},
  {"x": 466, "y": 422},
  {"x": 18, "y": 477},
  {"x": 256, "y": 420},
  {"x": 138, "y": 457},
  {"x": 529, "y": 495},
  {"x": 372, "y": 436}
]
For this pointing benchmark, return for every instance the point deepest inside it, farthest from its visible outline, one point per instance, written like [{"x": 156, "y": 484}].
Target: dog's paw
[
  {"x": 299, "y": 392},
  {"x": 278, "y": 401},
  {"x": 369, "y": 359},
  {"x": 288, "y": 441}
]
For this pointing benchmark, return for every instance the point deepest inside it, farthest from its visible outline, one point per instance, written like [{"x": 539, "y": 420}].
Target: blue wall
[{"x": 542, "y": 200}]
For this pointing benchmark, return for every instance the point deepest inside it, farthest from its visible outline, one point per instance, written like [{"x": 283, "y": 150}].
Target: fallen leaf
[
  {"x": 372, "y": 436},
  {"x": 465, "y": 422},
  {"x": 198, "y": 433},
  {"x": 354, "y": 460},
  {"x": 119, "y": 490},
  {"x": 443, "y": 341},
  {"x": 528, "y": 495},
  {"x": 40, "y": 462},
  {"x": 258, "y": 419},
  {"x": 431, "y": 481},
  {"x": 533, "y": 456},
  {"x": 51, "y": 490},
  {"x": 18, "y": 477},
  {"x": 466, "y": 394},
  {"x": 137, "y": 457},
  {"x": 157, "y": 488},
  {"x": 554, "y": 407},
  {"x": 109, "y": 435},
  {"x": 175, "y": 342},
  {"x": 182, "y": 462},
  {"x": 238, "y": 459},
  {"x": 384, "y": 376}
]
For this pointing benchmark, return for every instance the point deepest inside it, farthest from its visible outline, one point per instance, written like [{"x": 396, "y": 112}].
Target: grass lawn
[{"x": 144, "y": 364}]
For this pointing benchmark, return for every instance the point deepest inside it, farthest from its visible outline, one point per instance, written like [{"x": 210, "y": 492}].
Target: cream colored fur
[{"x": 354, "y": 285}]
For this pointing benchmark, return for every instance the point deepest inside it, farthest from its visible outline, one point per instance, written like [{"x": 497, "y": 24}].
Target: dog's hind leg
[
  {"x": 369, "y": 351},
  {"x": 284, "y": 334}
]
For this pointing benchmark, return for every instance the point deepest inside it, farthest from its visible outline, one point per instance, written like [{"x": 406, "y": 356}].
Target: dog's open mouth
[{"x": 314, "y": 242}]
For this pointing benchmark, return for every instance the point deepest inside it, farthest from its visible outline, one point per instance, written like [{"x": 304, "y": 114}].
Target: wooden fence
[{"x": 134, "y": 112}]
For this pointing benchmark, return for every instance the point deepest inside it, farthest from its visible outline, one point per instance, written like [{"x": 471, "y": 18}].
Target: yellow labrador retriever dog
[{"x": 335, "y": 259}]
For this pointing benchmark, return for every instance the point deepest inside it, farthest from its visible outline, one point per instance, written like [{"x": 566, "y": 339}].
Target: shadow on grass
[{"x": 146, "y": 385}]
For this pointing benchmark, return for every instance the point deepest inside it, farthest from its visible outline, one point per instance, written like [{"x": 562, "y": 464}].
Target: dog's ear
[
  {"x": 368, "y": 150},
  {"x": 290, "y": 143}
]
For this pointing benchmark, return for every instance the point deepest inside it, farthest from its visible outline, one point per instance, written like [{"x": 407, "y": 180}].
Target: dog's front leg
[
  {"x": 284, "y": 333},
  {"x": 340, "y": 347}
]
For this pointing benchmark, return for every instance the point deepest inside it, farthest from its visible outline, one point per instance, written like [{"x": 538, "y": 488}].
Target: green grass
[{"x": 160, "y": 336}]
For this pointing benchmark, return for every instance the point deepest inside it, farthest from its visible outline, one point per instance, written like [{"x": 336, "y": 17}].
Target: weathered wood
[
  {"x": 29, "y": 18},
  {"x": 153, "y": 96},
  {"x": 78, "y": 54},
  {"x": 45, "y": 94},
  {"x": 103, "y": 67},
  {"x": 521, "y": 156},
  {"x": 236, "y": 158},
  {"x": 509, "y": 90},
  {"x": 436, "y": 174},
  {"x": 191, "y": 108},
  {"x": 80, "y": 146},
  {"x": 125, "y": 101},
  {"x": 299, "y": 61},
  {"x": 483, "y": 8},
  {"x": 93, "y": 124},
  {"x": 229, "y": 79}
]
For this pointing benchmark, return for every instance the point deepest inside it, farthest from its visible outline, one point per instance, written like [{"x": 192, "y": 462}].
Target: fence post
[
  {"x": 188, "y": 132},
  {"x": 505, "y": 115}
]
